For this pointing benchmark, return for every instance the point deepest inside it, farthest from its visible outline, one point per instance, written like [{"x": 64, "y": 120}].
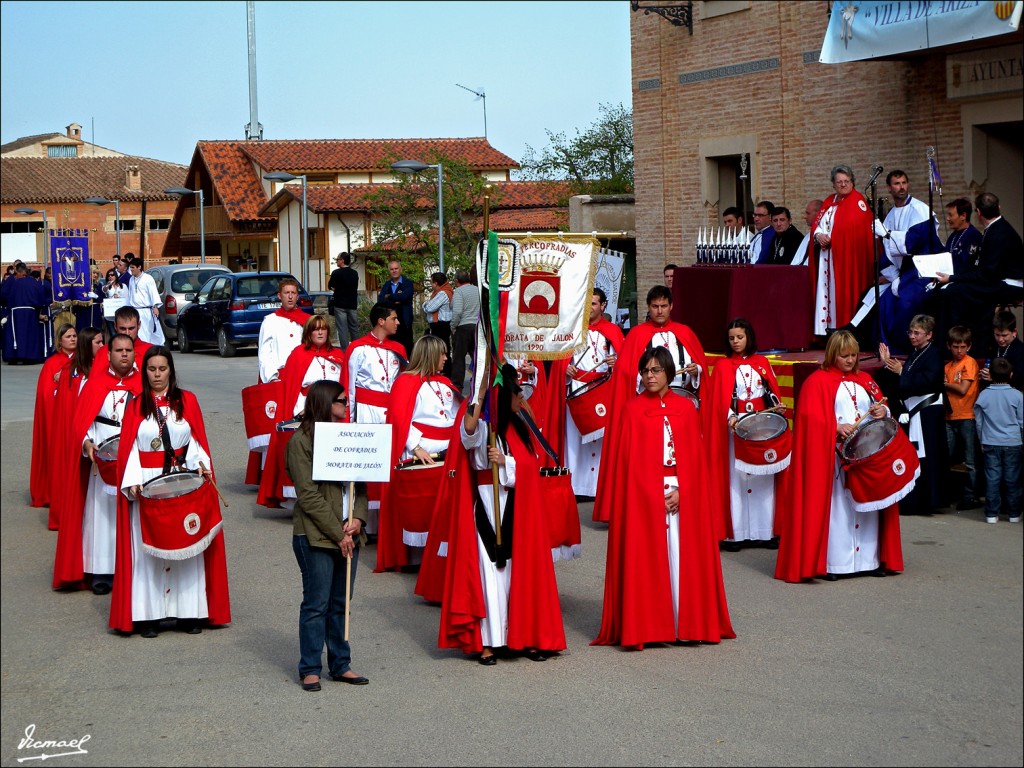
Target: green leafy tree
[
  {"x": 596, "y": 161},
  {"x": 405, "y": 218}
]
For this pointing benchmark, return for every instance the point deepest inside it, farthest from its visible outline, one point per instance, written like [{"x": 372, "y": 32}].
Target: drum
[
  {"x": 106, "y": 459},
  {"x": 288, "y": 426},
  {"x": 763, "y": 443},
  {"x": 179, "y": 515},
  {"x": 562, "y": 514},
  {"x": 588, "y": 407},
  {"x": 260, "y": 404},
  {"x": 881, "y": 464},
  {"x": 414, "y": 488},
  {"x": 682, "y": 392}
]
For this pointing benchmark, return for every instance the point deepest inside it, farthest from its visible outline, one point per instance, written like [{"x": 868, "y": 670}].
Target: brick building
[
  {"x": 57, "y": 172},
  {"x": 748, "y": 81}
]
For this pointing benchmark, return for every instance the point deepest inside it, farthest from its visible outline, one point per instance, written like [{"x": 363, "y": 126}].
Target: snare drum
[
  {"x": 881, "y": 464},
  {"x": 260, "y": 404},
  {"x": 562, "y": 515},
  {"x": 588, "y": 407},
  {"x": 411, "y": 495},
  {"x": 763, "y": 443},
  {"x": 179, "y": 515},
  {"x": 106, "y": 459}
]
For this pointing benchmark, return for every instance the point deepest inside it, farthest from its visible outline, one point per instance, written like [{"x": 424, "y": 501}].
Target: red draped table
[{"x": 775, "y": 299}]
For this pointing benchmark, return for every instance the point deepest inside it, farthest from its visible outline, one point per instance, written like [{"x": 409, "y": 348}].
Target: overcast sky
[{"x": 153, "y": 78}]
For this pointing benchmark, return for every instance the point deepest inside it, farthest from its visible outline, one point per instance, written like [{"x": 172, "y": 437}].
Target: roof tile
[{"x": 72, "y": 179}]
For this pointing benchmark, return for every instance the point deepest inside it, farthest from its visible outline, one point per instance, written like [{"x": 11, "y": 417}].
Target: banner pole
[{"x": 492, "y": 440}]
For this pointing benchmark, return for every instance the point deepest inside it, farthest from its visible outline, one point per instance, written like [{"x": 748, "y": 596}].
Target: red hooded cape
[
  {"x": 637, "y": 589},
  {"x": 62, "y": 473},
  {"x": 534, "y": 611},
  {"x": 714, "y": 413},
  {"x": 275, "y": 474},
  {"x": 68, "y": 565},
  {"x": 623, "y": 383},
  {"x": 216, "y": 565},
  {"x": 803, "y": 511},
  {"x": 391, "y": 551},
  {"x": 853, "y": 254},
  {"x": 44, "y": 430}
]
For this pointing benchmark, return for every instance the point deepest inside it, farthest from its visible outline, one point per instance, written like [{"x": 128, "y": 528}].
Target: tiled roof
[
  {"x": 239, "y": 189},
  {"x": 514, "y": 220},
  {"x": 371, "y": 154},
  {"x": 27, "y": 141},
  {"x": 72, "y": 179}
]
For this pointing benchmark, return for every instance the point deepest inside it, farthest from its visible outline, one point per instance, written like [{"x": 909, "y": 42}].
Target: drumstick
[
  {"x": 223, "y": 500},
  {"x": 348, "y": 563}
]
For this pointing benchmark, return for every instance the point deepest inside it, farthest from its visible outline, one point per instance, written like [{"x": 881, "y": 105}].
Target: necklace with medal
[
  {"x": 852, "y": 392},
  {"x": 438, "y": 394},
  {"x": 114, "y": 402},
  {"x": 386, "y": 377},
  {"x": 671, "y": 443},
  {"x": 161, "y": 423}
]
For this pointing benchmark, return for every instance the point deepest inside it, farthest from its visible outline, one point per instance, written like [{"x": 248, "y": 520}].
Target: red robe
[
  {"x": 555, "y": 415},
  {"x": 63, "y": 473},
  {"x": 216, "y": 567},
  {"x": 637, "y": 589},
  {"x": 804, "y": 507},
  {"x": 714, "y": 413},
  {"x": 101, "y": 361},
  {"x": 44, "y": 431},
  {"x": 534, "y": 611},
  {"x": 853, "y": 254},
  {"x": 275, "y": 475},
  {"x": 391, "y": 552},
  {"x": 68, "y": 565},
  {"x": 623, "y": 383}
]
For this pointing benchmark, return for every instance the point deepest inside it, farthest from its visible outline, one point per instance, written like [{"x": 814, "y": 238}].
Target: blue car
[{"x": 229, "y": 308}]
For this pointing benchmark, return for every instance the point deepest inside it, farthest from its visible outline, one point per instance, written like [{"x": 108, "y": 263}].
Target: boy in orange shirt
[{"x": 961, "y": 376}]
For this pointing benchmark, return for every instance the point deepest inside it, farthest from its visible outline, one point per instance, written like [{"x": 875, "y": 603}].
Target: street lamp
[
  {"x": 415, "y": 166},
  {"x": 284, "y": 176},
  {"x": 181, "y": 192},
  {"x": 29, "y": 212},
  {"x": 117, "y": 215}
]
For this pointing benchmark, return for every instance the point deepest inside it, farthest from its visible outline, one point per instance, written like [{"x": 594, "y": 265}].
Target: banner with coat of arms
[
  {"x": 69, "y": 265},
  {"x": 548, "y": 281}
]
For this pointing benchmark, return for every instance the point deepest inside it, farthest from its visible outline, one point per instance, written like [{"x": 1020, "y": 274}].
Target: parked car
[
  {"x": 229, "y": 308},
  {"x": 174, "y": 281}
]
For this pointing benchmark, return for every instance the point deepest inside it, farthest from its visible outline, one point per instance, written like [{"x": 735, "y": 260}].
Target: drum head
[
  {"x": 761, "y": 426},
  {"x": 107, "y": 450},
  {"x": 869, "y": 438},
  {"x": 688, "y": 395},
  {"x": 172, "y": 485},
  {"x": 590, "y": 386}
]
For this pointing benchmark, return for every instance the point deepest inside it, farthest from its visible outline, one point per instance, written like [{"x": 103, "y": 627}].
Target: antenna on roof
[
  {"x": 253, "y": 130},
  {"x": 479, "y": 93}
]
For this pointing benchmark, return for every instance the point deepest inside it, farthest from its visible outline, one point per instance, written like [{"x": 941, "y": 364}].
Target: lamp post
[
  {"x": 181, "y": 192},
  {"x": 284, "y": 176},
  {"x": 117, "y": 215},
  {"x": 29, "y": 212},
  {"x": 415, "y": 166}
]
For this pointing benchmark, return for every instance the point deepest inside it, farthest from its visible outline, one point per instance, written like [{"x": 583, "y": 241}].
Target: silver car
[{"x": 177, "y": 284}]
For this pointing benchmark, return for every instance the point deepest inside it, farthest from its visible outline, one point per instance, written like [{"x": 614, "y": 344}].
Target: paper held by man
[{"x": 929, "y": 265}]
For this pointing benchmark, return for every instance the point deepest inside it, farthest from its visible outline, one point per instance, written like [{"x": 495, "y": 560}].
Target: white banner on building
[{"x": 608, "y": 277}]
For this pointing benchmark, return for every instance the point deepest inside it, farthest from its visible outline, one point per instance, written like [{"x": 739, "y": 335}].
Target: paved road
[{"x": 921, "y": 669}]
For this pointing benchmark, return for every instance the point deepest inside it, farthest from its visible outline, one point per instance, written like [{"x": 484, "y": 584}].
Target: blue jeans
[
  {"x": 346, "y": 321},
  {"x": 1002, "y": 467},
  {"x": 963, "y": 431},
  {"x": 322, "y": 615}
]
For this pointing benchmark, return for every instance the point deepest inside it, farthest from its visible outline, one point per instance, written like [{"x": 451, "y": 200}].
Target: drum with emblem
[
  {"x": 763, "y": 443},
  {"x": 881, "y": 464},
  {"x": 260, "y": 404},
  {"x": 106, "y": 459},
  {"x": 562, "y": 514},
  {"x": 178, "y": 514},
  {"x": 588, "y": 407},
  {"x": 415, "y": 485}
]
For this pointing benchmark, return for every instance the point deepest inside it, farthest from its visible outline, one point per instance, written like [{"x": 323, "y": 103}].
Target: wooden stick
[
  {"x": 222, "y": 499},
  {"x": 348, "y": 565}
]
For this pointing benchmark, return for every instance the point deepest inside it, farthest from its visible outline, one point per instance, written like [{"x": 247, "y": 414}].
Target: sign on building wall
[
  {"x": 866, "y": 30},
  {"x": 985, "y": 73}
]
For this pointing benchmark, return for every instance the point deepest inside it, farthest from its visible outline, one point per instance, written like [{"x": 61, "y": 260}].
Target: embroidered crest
[
  {"x": 770, "y": 456},
  {"x": 600, "y": 410},
  {"x": 862, "y": 205},
  {"x": 539, "y": 290},
  {"x": 192, "y": 523},
  {"x": 898, "y": 467},
  {"x": 270, "y": 409}
]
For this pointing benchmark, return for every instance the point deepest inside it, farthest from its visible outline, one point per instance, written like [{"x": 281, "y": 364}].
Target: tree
[
  {"x": 598, "y": 161},
  {"x": 405, "y": 217}
]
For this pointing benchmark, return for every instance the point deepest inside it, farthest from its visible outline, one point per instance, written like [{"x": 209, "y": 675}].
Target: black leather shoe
[
  {"x": 357, "y": 680},
  {"x": 148, "y": 629},
  {"x": 310, "y": 686},
  {"x": 534, "y": 655},
  {"x": 830, "y": 577},
  {"x": 880, "y": 572},
  {"x": 772, "y": 543},
  {"x": 488, "y": 661},
  {"x": 101, "y": 588},
  {"x": 189, "y": 626},
  {"x": 729, "y": 546}
]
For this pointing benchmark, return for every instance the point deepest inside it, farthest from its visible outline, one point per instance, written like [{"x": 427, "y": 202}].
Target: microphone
[{"x": 876, "y": 171}]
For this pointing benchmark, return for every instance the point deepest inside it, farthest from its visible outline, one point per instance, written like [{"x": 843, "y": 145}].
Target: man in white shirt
[
  {"x": 143, "y": 295},
  {"x": 810, "y": 216}
]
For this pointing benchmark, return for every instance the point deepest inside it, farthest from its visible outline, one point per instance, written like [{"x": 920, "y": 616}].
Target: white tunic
[
  {"x": 143, "y": 295},
  {"x": 752, "y": 497},
  {"x": 584, "y": 459},
  {"x": 897, "y": 222},
  {"x": 852, "y": 536},
  {"x": 671, "y": 481},
  {"x": 163, "y": 588},
  {"x": 825, "y": 288},
  {"x": 671, "y": 342},
  {"x": 278, "y": 337},
  {"x": 494, "y": 580}
]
